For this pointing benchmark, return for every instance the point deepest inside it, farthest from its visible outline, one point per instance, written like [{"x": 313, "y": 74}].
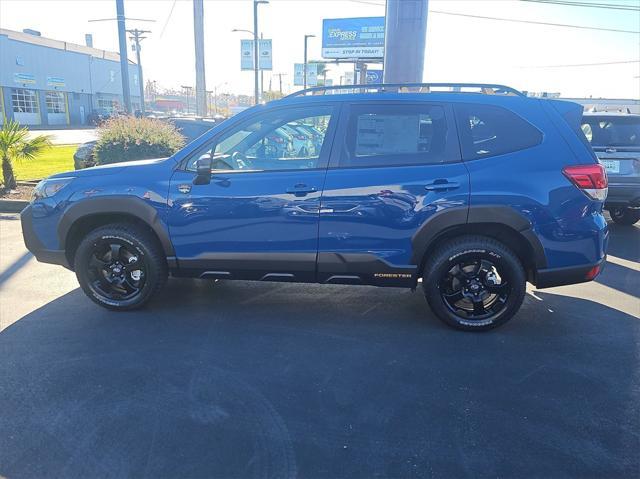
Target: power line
[
  {"x": 166, "y": 22},
  {"x": 514, "y": 20},
  {"x": 606, "y": 6},
  {"x": 624, "y": 62},
  {"x": 532, "y": 22}
]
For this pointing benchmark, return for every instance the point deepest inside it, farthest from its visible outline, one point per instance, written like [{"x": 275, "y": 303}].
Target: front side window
[
  {"x": 55, "y": 102},
  {"x": 278, "y": 140},
  {"x": 24, "y": 101},
  {"x": 487, "y": 130},
  {"x": 395, "y": 135}
]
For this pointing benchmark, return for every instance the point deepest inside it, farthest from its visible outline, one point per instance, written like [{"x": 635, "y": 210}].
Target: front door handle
[
  {"x": 442, "y": 185},
  {"x": 301, "y": 190}
]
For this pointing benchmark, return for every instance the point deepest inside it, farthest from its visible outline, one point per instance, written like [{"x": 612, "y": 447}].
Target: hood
[{"x": 110, "y": 169}]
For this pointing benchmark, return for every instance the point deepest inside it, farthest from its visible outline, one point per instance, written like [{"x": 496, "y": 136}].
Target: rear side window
[
  {"x": 397, "y": 134},
  {"x": 488, "y": 130}
]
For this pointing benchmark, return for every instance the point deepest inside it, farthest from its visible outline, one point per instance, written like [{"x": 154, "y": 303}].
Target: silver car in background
[{"x": 615, "y": 138}]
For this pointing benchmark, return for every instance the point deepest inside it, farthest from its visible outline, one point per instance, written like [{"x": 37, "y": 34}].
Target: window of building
[
  {"x": 24, "y": 101},
  {"x": 106, "y": 104},
  {"x": 277, "y": 140},
  {"x": 55, "y": 102},
  {"x": 487, "y": 130},
  {"x": 393, "y": 135}
]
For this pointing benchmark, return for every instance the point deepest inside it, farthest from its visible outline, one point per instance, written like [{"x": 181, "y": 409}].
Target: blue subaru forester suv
[{"x": 472, "y": 190}]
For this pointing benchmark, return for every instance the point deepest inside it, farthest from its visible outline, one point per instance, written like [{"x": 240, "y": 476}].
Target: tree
[
  {"x": 271, "y": 95},
  {"x": 15, "y": 145}
]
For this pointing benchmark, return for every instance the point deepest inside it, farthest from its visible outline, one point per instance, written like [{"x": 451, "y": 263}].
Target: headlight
[{"x": 49, "y": 187}]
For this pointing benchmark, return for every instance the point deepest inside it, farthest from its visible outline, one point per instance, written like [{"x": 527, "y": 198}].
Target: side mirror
[{"x": 203, "y": 171}]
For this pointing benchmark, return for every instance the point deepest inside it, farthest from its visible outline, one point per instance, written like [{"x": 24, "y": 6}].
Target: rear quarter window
[{"x": 488, "y": 130}]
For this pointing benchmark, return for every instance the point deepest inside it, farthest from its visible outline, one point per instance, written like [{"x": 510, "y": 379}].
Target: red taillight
[
  {"x": 592, "y": 273},
  {"x": 592, "y": 179}
]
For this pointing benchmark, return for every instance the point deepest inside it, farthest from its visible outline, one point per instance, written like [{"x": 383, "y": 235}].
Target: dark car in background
[{"x": 615, "y": 138}]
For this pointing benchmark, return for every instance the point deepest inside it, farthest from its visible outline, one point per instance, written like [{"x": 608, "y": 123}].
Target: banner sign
[
  {"x": 353, "y": 37},
  {"x": 374, "y": 76},
  {"x": 24, "y": 78},
  {"x": 265, "y": 58},
  {"x": 312, "y": 74}
]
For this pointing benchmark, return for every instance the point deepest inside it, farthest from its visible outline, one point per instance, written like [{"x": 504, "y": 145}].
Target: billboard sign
[
  {"x": 265, "y": 57},
  {"x": 353, "y": 37},
  {"x": 312, "y": 74}
]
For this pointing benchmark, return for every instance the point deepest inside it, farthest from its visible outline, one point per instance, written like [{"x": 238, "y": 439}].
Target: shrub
[{"x": 127, "y": 138}]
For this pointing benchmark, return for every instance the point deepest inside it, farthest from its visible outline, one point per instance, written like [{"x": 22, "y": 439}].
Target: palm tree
[{"x": 15, "y": 145}]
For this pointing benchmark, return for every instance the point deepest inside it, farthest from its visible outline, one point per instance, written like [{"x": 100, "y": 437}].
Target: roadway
[{"x": 238, "y": 379}]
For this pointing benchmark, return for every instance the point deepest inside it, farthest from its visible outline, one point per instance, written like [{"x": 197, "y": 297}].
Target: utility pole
[
  {"x": 280, "y": 75},
  {"x": 304, "y": 68},
  {"x": 187, "y": 89},
  {"x": 137, "y": 37},
  {"x": 124, "y": 61},
  {"x": 405, "y": 31},
  {"x": 198, "y": 32}
]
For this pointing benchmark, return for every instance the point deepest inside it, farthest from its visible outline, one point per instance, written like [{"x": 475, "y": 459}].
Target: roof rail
[{"x": 483, "y": 88}]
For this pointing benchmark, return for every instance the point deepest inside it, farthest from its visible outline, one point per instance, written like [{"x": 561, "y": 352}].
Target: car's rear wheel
[
  {"x": 474, "y": 283},
  {"x": 625, "y": 216},
  {"x": 120, "y": 266}
]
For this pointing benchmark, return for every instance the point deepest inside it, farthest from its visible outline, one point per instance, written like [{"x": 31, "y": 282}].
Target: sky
[{"x": 459, "y": 49}]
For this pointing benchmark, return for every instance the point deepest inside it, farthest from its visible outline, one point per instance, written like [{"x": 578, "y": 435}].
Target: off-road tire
[
  {"x": 135, "y": 239},
  {"x": 448, "y": 255},
  {"x": 625, "y": 216}
]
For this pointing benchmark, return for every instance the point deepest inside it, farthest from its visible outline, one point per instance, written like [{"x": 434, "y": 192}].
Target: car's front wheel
[
  {"x": 474, "y": 283},
  {"x": 120, "y": 266},
  {"x": 625, "y": 216}
]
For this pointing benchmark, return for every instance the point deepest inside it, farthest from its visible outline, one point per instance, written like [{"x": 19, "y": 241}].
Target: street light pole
[
  {"x": 304, "y": 68},
  {"x": 256, "y": 87}
]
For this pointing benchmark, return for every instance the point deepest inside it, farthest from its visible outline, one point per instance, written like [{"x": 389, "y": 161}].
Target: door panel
[
  {"x": 370, "y": 214},
  {"x": 258, "y": 217},
  {"x": 246, "y": 225}
]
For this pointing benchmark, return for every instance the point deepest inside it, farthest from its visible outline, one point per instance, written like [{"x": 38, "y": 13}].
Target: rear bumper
[
  {"x": 622, "y": 195},
  {"x": 550, "y": 277},
  {"x": 35, "y": 246}
]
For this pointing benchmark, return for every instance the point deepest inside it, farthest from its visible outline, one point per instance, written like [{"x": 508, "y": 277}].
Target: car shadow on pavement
[
  {"x": 624, "y": 242},
  {"x": 238, "y": 379}
]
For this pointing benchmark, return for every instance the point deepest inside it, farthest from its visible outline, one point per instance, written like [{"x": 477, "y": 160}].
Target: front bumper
[
  {"x": 550, "y": 277},
  {"x": 35, "y": 246}
]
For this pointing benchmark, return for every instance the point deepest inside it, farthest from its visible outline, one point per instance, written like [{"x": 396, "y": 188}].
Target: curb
[{"x": 12, "y": 206}]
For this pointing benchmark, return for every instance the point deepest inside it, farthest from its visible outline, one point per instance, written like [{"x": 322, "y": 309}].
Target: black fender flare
[
  {"x": 123, "y": 204},
  {"x": 440, "y": 222}
]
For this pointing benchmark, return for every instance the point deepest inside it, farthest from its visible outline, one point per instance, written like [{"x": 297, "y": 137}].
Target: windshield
[{"x": 612, "y": 131}]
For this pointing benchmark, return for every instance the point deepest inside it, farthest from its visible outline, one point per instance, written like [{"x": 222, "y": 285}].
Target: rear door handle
[
  {"x": 301, "y": 190},
  {"x": 442, "y": 185}
]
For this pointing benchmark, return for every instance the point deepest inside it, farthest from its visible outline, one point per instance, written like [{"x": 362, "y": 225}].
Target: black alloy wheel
[
  {"x": 115, "y": 271},
  {"x": 474, "y": 289}
]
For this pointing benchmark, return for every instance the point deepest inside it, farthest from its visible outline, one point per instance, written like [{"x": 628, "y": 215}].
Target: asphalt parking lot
[{"x": 236, "y": 379}]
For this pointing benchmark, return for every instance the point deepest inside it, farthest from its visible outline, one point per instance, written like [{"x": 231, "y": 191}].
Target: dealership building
[{"x": 45, "y": 82}]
